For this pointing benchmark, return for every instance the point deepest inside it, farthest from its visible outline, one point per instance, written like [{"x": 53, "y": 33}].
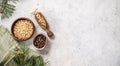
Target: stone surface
[{"x": 87, "y": 32}]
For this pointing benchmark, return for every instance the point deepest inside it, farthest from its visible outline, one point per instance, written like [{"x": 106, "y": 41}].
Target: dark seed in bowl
[{"x": 40, "y": 41}]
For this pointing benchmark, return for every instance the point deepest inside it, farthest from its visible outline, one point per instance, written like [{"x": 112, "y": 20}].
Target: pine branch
[
  {"x": 7, "y": 9},
  {"x": 22, "y": 58}
]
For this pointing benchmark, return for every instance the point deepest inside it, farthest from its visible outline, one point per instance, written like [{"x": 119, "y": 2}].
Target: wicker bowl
[{"x": 25, "y": 38}]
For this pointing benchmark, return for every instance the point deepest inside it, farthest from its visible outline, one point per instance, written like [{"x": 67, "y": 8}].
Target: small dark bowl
[{"x": 35, "y": 40}]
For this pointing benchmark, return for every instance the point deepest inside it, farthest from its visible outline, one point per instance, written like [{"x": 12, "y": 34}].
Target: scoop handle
[{"x": 49, "y": 33}]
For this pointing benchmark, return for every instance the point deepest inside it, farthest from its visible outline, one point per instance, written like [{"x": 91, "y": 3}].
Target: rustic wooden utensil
[{"x": 42, "y": 22}]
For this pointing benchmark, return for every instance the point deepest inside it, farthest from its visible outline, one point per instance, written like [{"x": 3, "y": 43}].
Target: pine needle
[
  {"x": 7, "y": 9},
  {"x": 22, "y": 58}
]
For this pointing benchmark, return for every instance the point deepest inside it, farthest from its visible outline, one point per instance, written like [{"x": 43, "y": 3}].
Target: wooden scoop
[{"x": 42, "y": 22}]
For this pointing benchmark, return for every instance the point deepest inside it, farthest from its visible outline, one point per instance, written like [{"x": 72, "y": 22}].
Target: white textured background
[{"x": 87, "y": 32}]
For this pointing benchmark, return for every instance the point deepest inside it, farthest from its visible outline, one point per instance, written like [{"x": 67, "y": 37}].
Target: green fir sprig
[
  {"x": 6, "y": 8},
  {"x": 22, "y": 58}
]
